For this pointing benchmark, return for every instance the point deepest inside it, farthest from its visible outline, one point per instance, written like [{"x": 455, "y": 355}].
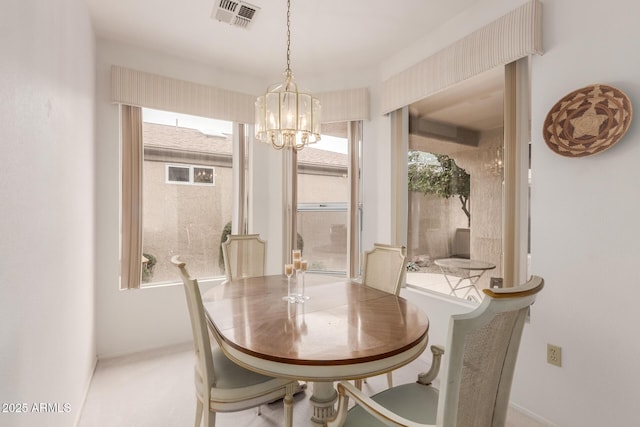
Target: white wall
[
  {"x": 585, "y": 228},
  {"x": 47, "y": 348},
  {"x": 584, "y": 219}
]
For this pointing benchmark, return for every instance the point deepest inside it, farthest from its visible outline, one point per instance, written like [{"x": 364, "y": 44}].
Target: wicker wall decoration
[{"x": 587, "y": 121}]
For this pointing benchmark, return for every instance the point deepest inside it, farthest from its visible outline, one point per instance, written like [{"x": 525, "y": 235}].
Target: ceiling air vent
[{"x": 234, "y": 12}]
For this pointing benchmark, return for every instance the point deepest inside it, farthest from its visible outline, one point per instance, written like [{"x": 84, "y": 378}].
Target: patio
[{"x": 434, "y": 281}]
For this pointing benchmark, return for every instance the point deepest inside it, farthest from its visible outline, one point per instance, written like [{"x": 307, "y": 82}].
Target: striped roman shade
[
  {"x": 507, "y": 39},
  {"x": 139, "y": 88}
]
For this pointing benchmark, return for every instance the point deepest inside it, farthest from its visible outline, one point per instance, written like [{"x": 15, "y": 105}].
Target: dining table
[{"x": 343, "y": 330}]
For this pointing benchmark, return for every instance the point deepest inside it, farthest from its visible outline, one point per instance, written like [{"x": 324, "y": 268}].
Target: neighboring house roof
[
  {"x": 184, "y": 139},
  {"x": 312, "y": 155}
]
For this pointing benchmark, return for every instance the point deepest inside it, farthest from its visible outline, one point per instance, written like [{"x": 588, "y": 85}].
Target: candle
[
  {"x": 303, "y": 265},
  {"x": 296, "y": 264},
  {"x": 288, "y": 269}
]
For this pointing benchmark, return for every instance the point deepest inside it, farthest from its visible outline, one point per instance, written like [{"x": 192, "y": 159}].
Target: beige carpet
[{"x": 155, "y": 389}]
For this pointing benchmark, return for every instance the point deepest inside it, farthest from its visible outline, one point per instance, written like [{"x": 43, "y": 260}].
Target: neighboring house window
[
  {"x": 186, "y": 219},
  {"x": 203, "y": 175},
  {"x": 178, "y": 174},
  {"x": 198, "y": 175}
]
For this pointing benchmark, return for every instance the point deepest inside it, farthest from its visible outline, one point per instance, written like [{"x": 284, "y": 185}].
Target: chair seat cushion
[
  {"x": 230, "y": 375},
  {"x": 414, "y": 401}
]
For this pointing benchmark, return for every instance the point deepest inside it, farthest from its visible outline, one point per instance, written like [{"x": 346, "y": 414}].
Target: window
[
  {"x": 485, "y": 132},
  {"x": 186, "y": 193},
  {"x": 203, "y": 175},
  {"x": 178, "y": 174},
  {"x": 198, "y": 175},
  {"x": 328, "y": 218}
]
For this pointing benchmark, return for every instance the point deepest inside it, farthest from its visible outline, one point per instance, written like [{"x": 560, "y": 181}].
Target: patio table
[{"x": 472, "y": 269}]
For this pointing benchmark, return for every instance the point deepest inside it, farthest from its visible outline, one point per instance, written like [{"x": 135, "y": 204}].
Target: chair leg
[
  {"x": 358, "y": 384},
  {"x": 288, "y": 409},
  {"x": 389, "y": 379},
  {"x": 198, "y": 412},
  {"x": 209, "y": 418}
]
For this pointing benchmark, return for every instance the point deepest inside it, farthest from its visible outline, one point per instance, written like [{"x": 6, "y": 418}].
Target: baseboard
[
  {"x": 141, "y": 354},
  {"x": 532, "y": 416},
  {"x": 87, "y": 387}
]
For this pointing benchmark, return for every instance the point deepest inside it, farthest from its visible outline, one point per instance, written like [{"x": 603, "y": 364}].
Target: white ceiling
[{"x": 326, "y": 35}]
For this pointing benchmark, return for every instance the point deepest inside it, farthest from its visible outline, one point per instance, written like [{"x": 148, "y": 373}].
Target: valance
[
  {"x": 507, "y": 39},
  {"x": 142, "y": 89}
]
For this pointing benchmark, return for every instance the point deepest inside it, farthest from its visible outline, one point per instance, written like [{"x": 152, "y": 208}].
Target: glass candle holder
[
  {"x": 302, "y": 297},
  {"x": 288, "y": 271}
]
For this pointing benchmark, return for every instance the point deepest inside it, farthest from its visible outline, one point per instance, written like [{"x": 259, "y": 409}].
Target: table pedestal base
[{"x": 322, "y": 401}]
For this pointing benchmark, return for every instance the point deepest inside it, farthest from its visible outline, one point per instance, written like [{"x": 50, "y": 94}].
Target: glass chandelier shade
[{"x": 287, "y": 117}]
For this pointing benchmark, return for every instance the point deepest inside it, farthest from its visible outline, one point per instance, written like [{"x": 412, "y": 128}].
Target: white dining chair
[
  {"x": 384, "y": 269},
  {"x": 244, "y": 256},
  {"x": 481, "y": 352},
  {"x": 220, "y": 384}
]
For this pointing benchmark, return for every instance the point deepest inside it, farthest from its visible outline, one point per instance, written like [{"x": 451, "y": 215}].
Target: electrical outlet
[{"x": 554, "y": 355}]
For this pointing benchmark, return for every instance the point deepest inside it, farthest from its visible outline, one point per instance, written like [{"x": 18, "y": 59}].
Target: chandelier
[{"x": 287, "y": 117}]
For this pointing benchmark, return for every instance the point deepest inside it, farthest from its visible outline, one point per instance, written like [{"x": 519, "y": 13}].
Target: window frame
[
  {"x": 516, "y": 257},
  {"x": 131, "y": 196},
  {"x": 353, "y": 207}
]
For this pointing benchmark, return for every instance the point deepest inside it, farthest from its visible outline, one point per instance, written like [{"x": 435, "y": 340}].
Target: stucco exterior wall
[
  {"x": 486, "y": 202},
  {"x": 185, "y": 220},
  {"x": 323, "y": 232},
  {"x": 432, "y": 224},
  {"x": 322, "y": 189},
  {"x": 433, "y": 221}
]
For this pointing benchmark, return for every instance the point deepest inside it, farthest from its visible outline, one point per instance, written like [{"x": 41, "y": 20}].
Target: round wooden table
[{"x": 345, "y": 330}]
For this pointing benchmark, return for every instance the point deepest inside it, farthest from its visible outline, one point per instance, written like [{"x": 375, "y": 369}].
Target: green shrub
[{"x": 147, "y": 268}]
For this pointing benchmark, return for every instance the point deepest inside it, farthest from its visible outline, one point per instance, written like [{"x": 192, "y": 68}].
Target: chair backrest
[
  {"x": 482, "y": 347},
  {"x": 384, "y": 267},
  {"x": 244, "y": 256},
  {"x": 205, "y": 373}
]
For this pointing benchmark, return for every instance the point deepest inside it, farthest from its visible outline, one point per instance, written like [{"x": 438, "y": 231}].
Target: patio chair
[
  {"x": 221, "y": 385},
  {"x": 244, "y": 256},
  {"x": 482, "y": 347}
]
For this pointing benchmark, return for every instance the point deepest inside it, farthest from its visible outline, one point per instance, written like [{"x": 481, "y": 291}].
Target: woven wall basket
[{"x": 587, "y": 121}]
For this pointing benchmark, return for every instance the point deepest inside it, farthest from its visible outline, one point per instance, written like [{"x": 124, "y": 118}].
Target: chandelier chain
[
  {"x": 285, "y": 117},
  {"x": 288, "y": 36}
]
